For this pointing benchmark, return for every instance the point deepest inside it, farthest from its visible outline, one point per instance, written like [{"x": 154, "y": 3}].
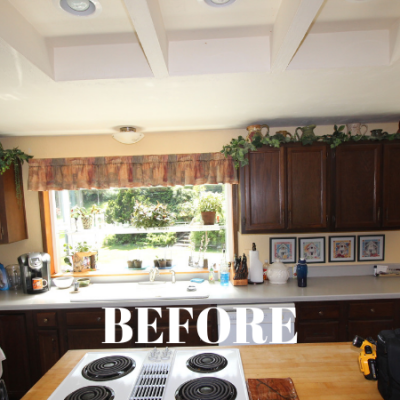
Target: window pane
[{"x": 101, "y": 221}]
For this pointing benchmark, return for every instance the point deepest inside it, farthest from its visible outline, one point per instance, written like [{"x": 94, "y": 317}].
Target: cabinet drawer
[
  {"x": 84, "y": 318},
  {"x": 46, "y": 319},
  {"x": 316, "y": 332},
  {"x": 91, "y": 318},
  {"x": 183, "y": 315},
  {"x": 318, "y": 312},
  {"x": 371, "y": 309}
]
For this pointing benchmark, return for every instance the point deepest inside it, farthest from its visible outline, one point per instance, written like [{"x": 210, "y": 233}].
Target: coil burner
[
  {"x": 207, "y": 389},
  {"x": 206, "y": 363},
  {"x": 108, "y": 368},
  {"x": 92, "y": 393}
]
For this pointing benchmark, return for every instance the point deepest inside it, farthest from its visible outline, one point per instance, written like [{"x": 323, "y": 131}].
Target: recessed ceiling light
[
  {"x": 80, "y": 8},
  {"x": 219, "y": 3},
  {"x": 358, "y": 1}
]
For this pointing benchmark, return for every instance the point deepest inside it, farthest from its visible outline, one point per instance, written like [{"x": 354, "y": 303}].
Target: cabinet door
[
  {"x": 12, "y": 213},
  {"x": 14, "y": 343},
  {"x": 391, "y": 185},
  {"x": 48, "y": 348},
  {"x": 79, "y": 339},
  {"x": 318, "y": 332},
  {"x": 358, "y": 186},
  {"x": 368, "y": 328},
  {"x": 307, "y": 187},
  {"x": 263, "y": 191}
]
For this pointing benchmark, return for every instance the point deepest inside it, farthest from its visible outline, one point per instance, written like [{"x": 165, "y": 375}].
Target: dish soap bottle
[
  {"x": 224, "y": 270},
  {"x": 302, "y": 271},
  {"x": 211, "y": 277}
]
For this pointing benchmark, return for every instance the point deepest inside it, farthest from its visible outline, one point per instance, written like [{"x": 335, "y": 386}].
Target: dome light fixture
[
  {"x": 80, "y": 8},
  {"x": 128, "y": 135},
  {"x": 219, "y": 3}
]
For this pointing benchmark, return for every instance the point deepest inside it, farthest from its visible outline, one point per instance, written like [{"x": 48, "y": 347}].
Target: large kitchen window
[{"x": 129, "y": 229}]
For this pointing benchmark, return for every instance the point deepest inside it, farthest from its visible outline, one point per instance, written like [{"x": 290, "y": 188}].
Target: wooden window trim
[{"x": 47, "y": 231}]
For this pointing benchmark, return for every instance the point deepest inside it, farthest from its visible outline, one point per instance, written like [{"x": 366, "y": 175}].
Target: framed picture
[
  {"x": 371, "y": 248},
  {"x": 342, "y": 248},
  {"x": 312, "y": 249},
  {"x": 282, "y": 248}
]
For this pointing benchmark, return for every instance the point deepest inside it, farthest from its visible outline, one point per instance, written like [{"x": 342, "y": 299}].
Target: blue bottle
[{"x": 302, "y": 271}]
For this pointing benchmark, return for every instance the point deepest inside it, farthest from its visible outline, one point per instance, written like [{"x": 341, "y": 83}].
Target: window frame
[{"x": 47, "y": 207}]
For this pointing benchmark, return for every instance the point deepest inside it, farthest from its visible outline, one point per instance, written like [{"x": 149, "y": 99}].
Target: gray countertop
[{"x": 318, "y": 289}]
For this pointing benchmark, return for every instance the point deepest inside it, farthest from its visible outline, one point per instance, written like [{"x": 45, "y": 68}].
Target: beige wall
[{"x": 153, "y": 143}]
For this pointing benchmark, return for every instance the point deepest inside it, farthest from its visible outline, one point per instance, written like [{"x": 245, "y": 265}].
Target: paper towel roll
[{"x": 256, "y": 273}]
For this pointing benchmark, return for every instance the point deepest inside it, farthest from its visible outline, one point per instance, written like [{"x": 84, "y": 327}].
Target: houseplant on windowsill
[
  {"x": 209, "y": 204},
  {"x": 151, "y": 216},
  {"x": 78, "y": 256}
]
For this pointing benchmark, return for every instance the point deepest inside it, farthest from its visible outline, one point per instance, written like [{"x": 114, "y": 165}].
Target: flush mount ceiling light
[
  {"x": 219, "y": 3},
  {"x": 128, "y": 135},
  {"x": 80, "y": 8}
]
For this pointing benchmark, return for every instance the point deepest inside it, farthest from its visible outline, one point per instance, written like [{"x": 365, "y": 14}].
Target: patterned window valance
[{"x": 130, "y": 171}]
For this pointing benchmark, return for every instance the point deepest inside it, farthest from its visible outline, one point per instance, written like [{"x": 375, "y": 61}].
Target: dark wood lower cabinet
[
  {"x": 15, "y": 341},
  {"x": 341, "y": 321},
  {"x": 49, "y": 349}
]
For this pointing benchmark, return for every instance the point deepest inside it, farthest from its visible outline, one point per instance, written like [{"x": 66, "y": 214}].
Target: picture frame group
[{"x": 344, "y": 248}]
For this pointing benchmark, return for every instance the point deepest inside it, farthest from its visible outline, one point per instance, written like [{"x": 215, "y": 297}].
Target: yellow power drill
[{"x": 367, "y": 357}]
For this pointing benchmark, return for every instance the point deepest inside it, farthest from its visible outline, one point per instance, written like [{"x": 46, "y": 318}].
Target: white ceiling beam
[
  {"x": 292, "y": 23},
  {"x": 16, "y": 31},
  {"x": 147, "y": 19}
]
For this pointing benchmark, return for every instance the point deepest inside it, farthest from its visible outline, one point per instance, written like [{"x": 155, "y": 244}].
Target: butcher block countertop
[{"x": 319, "y": 371}]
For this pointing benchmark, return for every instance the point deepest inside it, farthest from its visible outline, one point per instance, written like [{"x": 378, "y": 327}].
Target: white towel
[{"x": 2, "y": 357}]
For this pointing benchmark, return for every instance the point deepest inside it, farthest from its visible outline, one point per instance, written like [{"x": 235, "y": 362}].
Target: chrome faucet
[
  {"x": 153, "y": 273},
  {"x": 173, "y": 276}
]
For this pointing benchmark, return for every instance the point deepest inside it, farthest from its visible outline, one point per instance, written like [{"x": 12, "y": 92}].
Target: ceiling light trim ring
[
  {"x": 93, "y": 9},
  {"x": 219, "y": 3}
]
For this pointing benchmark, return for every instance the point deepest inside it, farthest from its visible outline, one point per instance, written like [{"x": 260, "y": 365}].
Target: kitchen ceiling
[{"x": 167, "y": 65}]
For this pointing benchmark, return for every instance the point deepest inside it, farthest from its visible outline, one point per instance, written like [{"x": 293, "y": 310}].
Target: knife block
[{"x": 238, "y": 282}]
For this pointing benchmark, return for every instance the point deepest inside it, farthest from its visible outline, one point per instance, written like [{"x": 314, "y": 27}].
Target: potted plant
[
  {"x": 13, "y": 157},
  {"x": 152, "y": 216},
  {"x": 80, "y": 256},
  {"x": 209, "y": 204},
  {"x": 187, "y": 211}
]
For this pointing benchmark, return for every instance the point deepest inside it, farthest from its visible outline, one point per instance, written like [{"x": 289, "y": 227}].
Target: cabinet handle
[
  {"x": 53, "y": 340},
  {"x": 372, "y": 310},
  {"x": 45, "y": 320},
  {"x": 1, "y": 232},
  {"x": 379, "y": 213},
  {"x": 98, "y": 318},
  {"x": 321, "y": 313},
  {"x": 327, "y": 218}
]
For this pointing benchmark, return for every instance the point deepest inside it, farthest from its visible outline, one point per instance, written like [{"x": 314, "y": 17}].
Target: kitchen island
[{"x": 319, "y": 371}]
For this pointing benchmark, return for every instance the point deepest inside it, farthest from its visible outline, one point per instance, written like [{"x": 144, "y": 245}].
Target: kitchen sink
[{"x": 157, "y": 290}]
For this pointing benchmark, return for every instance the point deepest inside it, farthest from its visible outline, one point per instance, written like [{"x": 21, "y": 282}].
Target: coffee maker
[{"x": 35, "y": 272}]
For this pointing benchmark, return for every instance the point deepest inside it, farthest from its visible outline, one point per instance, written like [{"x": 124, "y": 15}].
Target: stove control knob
[
  {"x": 154, "y": 354},
  {"x": 166, "y": 354}
]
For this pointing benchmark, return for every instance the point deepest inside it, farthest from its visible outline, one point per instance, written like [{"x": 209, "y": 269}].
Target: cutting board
[{"x": 271, "y": 389}]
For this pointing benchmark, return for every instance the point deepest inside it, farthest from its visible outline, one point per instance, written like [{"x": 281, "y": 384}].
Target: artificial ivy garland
[
  {"x": 238, "y": 148},
  {"x": 14, "y": 157}
]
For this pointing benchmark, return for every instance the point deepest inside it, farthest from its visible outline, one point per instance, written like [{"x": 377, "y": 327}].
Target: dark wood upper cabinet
[
  {"x": 391, "y": 185},
  {"x": 307, "y": 187},
  {"x": 12, "y": 214},
  {"x": 358, "y": 186},
  {"x": 263, "y": 183}
]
